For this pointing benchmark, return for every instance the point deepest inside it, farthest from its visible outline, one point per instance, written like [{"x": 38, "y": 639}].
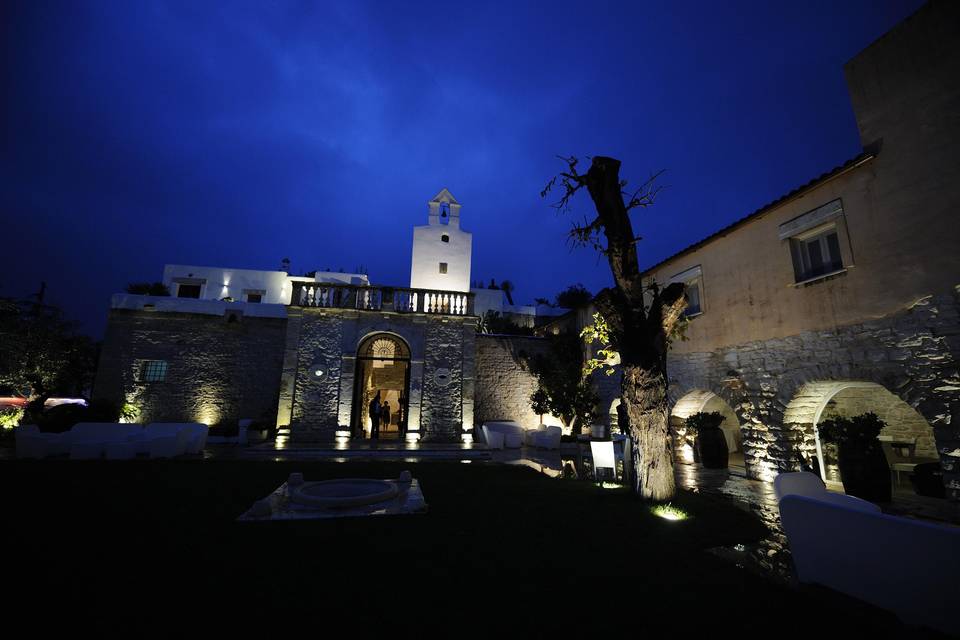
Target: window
[
  {"x": 816, "y": 254},
  {"x": 815, "y": 242},
  {"x": 692, "y": 294},
  {"x": 153, "y": 371},
  {"x": 443, "y": 267},
  {"x": 254, "y": 295},
  {"x": 188, "y": 291},
  {"x": 444, "y": 238},
  {"x": 693, "y": 280}
]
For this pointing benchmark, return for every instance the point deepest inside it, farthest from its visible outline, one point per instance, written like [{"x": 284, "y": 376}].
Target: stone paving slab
[{"x": 282, "y": 508}]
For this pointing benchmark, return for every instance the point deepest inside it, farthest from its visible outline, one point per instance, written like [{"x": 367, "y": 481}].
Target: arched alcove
[
  {"x": 908, "y": 436},
  {"x": 697, "y": 401}
]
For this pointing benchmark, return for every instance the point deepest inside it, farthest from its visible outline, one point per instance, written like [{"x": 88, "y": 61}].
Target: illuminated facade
[{"x": 306, "y": 352}]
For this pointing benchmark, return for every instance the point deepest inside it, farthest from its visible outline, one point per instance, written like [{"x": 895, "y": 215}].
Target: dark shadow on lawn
[{"x": 117, "y": 539}]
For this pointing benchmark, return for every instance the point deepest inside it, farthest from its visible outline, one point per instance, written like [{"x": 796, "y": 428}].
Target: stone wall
[
  {"x": 317, "y": 407},
  {"x": 218, "y": 371},
  {"x": 776, "y": 386},
  {"x": 503, "y": 382}
]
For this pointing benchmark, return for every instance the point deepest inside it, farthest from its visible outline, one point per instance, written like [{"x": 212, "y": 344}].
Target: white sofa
[
  {"x": 196, "y": 436},
  {"x": 89, "y": 440},
  {"x": 543, "y": 437},
  {"x": 904, "y": 565},
  {"x": 511, "y": 431},
  {"x": 165, "y": 439},
  {"x": 494, "y": 439},
  {"x": 31, "y": 443}
]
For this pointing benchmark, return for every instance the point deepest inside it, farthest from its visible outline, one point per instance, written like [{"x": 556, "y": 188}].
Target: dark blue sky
[{"x": 136, "y": 134}]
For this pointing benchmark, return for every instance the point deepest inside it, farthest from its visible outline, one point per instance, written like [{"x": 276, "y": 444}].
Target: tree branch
[{"x": 645, "y": 195}]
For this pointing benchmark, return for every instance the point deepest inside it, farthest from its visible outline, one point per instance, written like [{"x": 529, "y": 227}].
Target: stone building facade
[
  {"x": 216, "y": 367},
  {"x": 843, "y": 296},
  {"x": 504, "y": 383},
  {"x": 309, "y": 353}
]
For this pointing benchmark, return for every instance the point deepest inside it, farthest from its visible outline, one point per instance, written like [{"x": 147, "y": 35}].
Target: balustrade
[{"x": 335, "y": 296}]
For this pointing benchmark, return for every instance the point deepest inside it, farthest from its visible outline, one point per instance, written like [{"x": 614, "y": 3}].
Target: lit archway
[
  {"x": 907, "y": 436},
  {"x": 697, "y": 401},
  {"x": 383, "y": 367}
]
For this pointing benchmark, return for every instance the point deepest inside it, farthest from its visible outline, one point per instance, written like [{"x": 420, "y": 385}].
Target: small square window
[
  {"x": 443, "y": 267},
  {"x": 188, "y": 291},
  {"x": 444, "y": 238},
  {"x": 816, "y": 254},
  {"x": 254, "y": 295},
  {"x": 153, "y": 371}
]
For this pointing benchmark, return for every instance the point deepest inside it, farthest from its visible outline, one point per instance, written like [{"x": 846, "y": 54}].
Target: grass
[{"x": 104, "y": 538}]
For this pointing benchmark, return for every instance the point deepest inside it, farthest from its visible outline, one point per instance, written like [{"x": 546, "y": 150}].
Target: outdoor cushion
[{"x": 512, "y": 440}]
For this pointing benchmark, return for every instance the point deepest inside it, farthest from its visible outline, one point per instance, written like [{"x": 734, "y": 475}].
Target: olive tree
[{"x": 639, "y": 316}]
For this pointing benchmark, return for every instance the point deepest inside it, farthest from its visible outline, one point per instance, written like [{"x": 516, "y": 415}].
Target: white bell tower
[{"x": 441, "y": 249}]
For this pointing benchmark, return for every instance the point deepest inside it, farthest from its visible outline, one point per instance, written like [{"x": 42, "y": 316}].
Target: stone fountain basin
[{"x": 342, "y": 493}]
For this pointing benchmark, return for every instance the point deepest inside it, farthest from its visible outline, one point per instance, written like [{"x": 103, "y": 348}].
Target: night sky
[{"x": 139, "y": 133}]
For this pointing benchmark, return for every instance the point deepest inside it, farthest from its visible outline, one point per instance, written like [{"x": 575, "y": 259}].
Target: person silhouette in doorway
[
  {"x": 375, "y": 417},
  {"x": 385, "y": 414}
]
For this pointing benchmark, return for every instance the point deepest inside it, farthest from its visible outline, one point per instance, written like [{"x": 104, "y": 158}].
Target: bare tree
[{"x": 639, "y": 318}]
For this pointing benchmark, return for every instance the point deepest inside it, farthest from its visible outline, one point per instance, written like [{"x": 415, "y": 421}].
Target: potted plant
[
  {"x": 710, "y": 442},
  {"x": 863, "y": 467}
]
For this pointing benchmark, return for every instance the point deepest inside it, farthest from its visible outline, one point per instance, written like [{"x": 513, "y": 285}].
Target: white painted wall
[
  {"x": 221, "y": 282},
  {"x": 487, "y": 300},
  {"x": 189, "y": 305},
  {"x": 429, "y": 249}
]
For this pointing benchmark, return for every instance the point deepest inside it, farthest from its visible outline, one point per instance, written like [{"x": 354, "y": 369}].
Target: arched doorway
[
  {"x": 383, "y": 364},
  {"x": 698, "y": 401}
]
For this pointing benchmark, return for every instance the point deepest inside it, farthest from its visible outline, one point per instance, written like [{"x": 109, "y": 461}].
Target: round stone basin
[{"x": 348, "y": 492}]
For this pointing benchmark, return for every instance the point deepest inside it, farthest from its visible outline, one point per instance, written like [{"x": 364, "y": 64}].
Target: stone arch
[
  {"x": 819, "y": 400},
  {"x": 697, "y": 400},
  {"x": 382, "y": 369}
]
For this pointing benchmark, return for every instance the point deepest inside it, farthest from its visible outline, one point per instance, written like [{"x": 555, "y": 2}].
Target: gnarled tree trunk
[
  {"x": 640, "y": 316},
  {"x": 645, "y": 397}
]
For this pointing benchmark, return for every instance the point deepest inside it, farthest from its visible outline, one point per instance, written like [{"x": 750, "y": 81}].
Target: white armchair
[
  {"x": 849, "y": 549},
  {"x": 808, "y": 485},
  {"x": 494, "y": 439}
]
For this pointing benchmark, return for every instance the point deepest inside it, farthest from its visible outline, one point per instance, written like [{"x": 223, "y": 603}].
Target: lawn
[{"x": 155, "y": 538}]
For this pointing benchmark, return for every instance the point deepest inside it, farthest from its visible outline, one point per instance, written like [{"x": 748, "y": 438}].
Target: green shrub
[
  {"x": 859, "y": 431},
  {"x": 701, "y": 421},
  {"x": 10, "y": 417}
]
